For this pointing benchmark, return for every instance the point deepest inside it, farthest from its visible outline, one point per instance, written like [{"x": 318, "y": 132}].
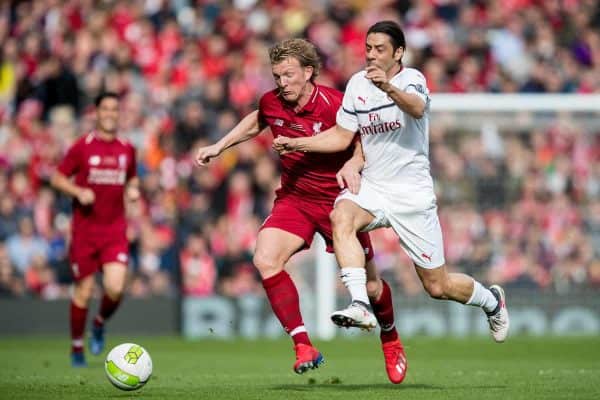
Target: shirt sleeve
[
  {"x": 70, "y": 162},
  {"x": 262, "y": 121},
  {"x": 418, "y": 85},
  {"x": 347, "y": 117}
]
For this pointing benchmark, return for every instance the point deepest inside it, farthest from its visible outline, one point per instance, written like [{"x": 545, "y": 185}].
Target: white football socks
[
  {"x": 355, "y": 280},
  {"x": 482, "y": 297}
]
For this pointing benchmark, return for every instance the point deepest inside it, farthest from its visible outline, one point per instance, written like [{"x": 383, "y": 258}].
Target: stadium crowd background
[{"x": 525, "y": 212}]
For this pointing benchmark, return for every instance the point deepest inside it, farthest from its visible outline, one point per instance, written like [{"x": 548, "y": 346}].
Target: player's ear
[
  {"x": 308, "y": 72},
  {"x": 399, "y": 53}
]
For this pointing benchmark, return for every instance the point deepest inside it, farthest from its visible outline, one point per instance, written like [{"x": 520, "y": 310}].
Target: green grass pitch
[{"x": 521, "y": 368}]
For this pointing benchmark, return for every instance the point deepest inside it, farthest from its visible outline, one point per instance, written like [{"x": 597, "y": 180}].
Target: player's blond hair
[{"x": 300, "y": 49}]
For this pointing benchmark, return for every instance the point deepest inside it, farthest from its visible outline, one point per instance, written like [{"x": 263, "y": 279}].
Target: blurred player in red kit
[
  {"x": 104, "y": 171},
  {"x": 299, "y": 107}
]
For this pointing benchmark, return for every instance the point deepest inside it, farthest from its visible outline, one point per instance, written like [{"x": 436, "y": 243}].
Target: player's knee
[
  {"x": 373, "y": 288},
  {"x": 266, "y": 265},
  {"x": 435, "y": 289},
  {"x": 114, "y": 291},
  {"x": 82, "y": 293},
  {"x": 341, "y": 222}
]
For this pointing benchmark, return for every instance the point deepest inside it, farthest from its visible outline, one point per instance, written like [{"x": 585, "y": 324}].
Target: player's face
[
  {"x": 291, "y": 79},
  {"x": 108, "y": 115},
  {"x": 380, "y": 51}
]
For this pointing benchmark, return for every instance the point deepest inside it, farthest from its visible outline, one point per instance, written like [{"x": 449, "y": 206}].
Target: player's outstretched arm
[
  {"x": 408, "y": 102},
  {"x": 64, "y": 184},
  {"x": 246, "y": 129},
  {"x": 332, "y": 140}
]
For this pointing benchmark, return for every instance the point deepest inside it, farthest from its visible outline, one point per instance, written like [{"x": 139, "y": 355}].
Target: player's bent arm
[
  {"x": 246, "y": 129},
  {"x": 64, "y": 184},
  {"x": 333, "y": 140},
  {"x": 408, "y": 102}
]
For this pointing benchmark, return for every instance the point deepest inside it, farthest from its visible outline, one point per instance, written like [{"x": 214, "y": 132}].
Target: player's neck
[
  {"x": 394, "y": 70},
  {"x": 305, "y": 96},
  {"x": 106, "y": 136}
]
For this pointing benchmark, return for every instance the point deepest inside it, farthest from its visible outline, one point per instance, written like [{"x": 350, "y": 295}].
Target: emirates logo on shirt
[{"x": 382, "y": 127}]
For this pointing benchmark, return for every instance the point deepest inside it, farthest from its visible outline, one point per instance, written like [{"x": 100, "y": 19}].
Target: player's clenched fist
[
  {"x": 377, "y": 76},
  {"x": 284, "y": 144},
  {"x": 86, "y": 196},
  {"x": 205, "y": 154}
]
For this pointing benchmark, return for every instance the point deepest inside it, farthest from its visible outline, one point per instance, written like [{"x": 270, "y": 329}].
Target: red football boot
[
  {"x": 307, "y": 357},
  {"x": 395, "y": 361}
]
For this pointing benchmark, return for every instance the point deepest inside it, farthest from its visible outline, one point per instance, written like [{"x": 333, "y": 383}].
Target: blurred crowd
[{"x": 520, "y": 208}]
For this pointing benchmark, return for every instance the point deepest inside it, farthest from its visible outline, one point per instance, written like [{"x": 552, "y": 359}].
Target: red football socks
[
  {"x": 383, "y": 308},
  {"x": 107, "y": 308},
  {"x": 77, "y": 316},
  {"x": 283, "y": 296}
]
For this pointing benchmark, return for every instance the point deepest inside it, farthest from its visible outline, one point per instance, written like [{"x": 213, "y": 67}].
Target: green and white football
[{"x": 128, "y": 366}]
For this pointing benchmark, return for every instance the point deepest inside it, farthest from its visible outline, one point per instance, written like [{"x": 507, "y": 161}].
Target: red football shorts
[
  {"x": 303, "y": 218},
  {"x": 88, "y": 254}
]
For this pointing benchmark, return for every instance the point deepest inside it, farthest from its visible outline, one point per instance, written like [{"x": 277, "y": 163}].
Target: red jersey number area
[
  {"x": 99, "y": 230},
  {"x": 305, "y": 218},
  {"x": 306, "y": 175}
]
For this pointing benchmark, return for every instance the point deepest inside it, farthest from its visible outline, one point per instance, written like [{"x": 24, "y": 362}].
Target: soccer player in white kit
[{"x": 388, "y": 105}]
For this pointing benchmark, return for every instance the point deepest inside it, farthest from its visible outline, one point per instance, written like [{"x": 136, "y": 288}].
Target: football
[{"x": 128, "y": 366}]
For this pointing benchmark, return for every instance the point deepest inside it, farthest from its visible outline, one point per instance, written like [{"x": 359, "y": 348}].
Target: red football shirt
[
  {"x": 307, "y": 175},
  {"x": 105, "y": 167}
]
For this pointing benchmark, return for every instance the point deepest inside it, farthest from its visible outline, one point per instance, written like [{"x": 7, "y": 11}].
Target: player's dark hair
[
  {"x": 300, "y": 49},
  {"x": 105, "y": 95},
  {"x": 393, "y": 30}
]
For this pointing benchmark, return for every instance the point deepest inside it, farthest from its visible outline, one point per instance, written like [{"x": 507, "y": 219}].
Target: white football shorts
[{"x": 419, "y": 232}]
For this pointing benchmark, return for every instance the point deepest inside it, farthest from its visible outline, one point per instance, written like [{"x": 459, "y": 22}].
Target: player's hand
[
  {"x": 349, "y": 176},
  {"x": 86, "y": 196},
  {"x": 377, "y": 76},
  {"x": 133, "y": 193},
  {"x": 205, "y": 154},
  {"x": 284, "y": 145}
]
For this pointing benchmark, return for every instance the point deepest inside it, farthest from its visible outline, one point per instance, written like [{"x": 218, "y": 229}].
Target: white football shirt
[{"x": 395, "y": 145}]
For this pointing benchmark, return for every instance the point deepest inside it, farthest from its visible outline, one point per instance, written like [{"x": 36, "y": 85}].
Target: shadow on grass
[
  {"x": 378, "y": 386},
  {"x": 355, "y": 387}
]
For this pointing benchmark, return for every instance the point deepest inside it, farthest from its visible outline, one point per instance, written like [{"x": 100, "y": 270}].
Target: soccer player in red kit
[
  {"x": 104, "y": 169},
  {"x": 299, "y": 107}
]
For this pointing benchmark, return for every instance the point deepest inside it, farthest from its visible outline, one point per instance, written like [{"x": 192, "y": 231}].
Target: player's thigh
[
  {"x": 285, "y": 231},
  {"x": 114, "y": 257},
  {"x": 274, "y": 247},
  {"x": 347, "y": 212},
  {"x": 367, "y": 207},
  {"x": 420, "y": 235}
]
